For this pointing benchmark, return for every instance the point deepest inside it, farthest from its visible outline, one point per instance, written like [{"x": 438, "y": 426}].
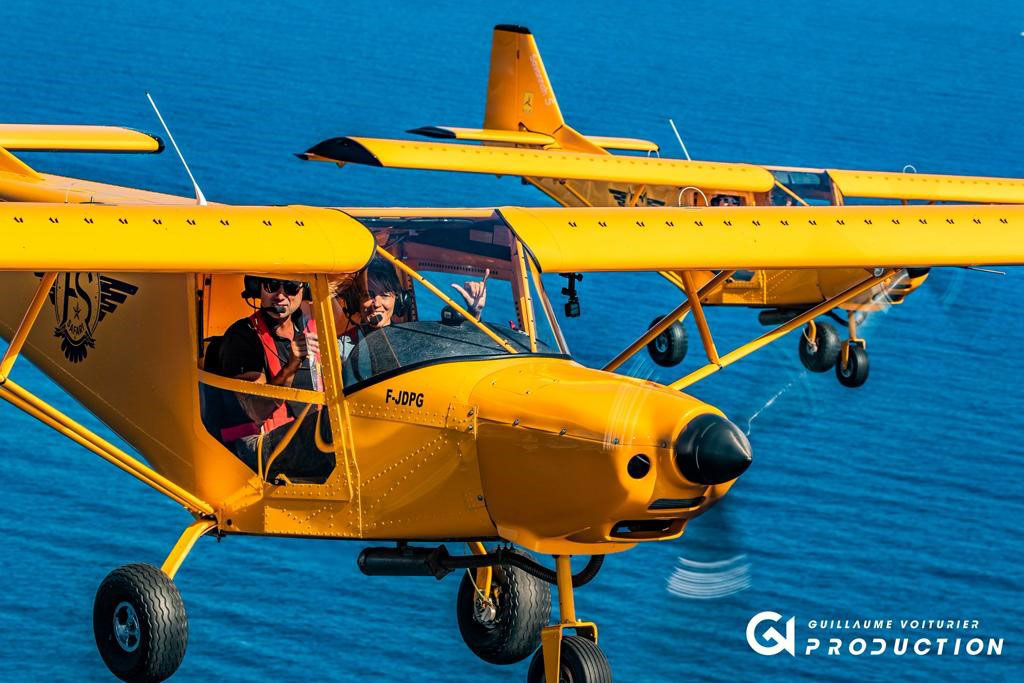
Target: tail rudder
[{"x": 519, "y": 93}]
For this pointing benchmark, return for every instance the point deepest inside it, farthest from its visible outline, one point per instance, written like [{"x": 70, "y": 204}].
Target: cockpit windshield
[{"x": 440, "y": 289}]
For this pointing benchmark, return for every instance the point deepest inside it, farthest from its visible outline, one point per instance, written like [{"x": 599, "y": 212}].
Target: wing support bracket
[
  {"x": 680, "y": 310},
  {"x": 782, "y": 330}
]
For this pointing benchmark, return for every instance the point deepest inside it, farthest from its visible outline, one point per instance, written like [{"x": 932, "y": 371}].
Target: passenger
[
  {"x": 726, "y": 200},
  {"x": 277, "y": 346},
  {"x": 375, "y": 297}
]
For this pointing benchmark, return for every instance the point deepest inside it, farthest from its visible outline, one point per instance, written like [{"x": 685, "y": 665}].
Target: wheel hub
[
  {"x": 661, "y": 343},
  {"x": 127, "y": 632},
  {"x": 484, "y": 611}
]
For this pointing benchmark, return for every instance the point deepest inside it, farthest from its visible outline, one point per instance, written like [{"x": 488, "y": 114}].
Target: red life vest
[{"x": 280, "y": 415}]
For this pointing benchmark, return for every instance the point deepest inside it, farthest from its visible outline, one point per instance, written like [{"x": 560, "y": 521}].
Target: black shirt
[{"x": 241, "y": 351}]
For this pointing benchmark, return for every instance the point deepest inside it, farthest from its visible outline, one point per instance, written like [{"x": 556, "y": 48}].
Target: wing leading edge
[
  {"x": 763, "y": 238},
  {"x": 210, "y": 239}
]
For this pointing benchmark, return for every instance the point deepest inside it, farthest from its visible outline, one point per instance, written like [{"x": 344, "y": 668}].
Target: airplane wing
[
  {"x": 516, "y": 161},
  {"x": 551, "y": 162},
  {"x": 928, "y": 187},
  {"x": 756, "y": 238},
  {"x": 28, "y": 137},
  {"x": 209, "y": 239},
  {"x": 21, "y": 183}
]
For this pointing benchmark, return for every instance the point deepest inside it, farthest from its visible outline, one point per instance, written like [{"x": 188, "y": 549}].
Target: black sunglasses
[{"x": 291, "y": 288}]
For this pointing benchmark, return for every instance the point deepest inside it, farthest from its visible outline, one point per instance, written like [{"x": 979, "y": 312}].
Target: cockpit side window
[{"x": 261, "y": 377}]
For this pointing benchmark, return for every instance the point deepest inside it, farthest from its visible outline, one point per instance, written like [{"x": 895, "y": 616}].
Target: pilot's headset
[
  {"x": 383, "y": 273},
  {"x": 253, "y": 287}
]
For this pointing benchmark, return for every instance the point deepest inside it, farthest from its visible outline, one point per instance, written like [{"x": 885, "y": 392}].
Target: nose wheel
[
  {"x": 581, "y": 661},
  {"x": 565, "y": 658},
  {"x": 852, "y": 365},
  {"x": 852, "y": 368}
]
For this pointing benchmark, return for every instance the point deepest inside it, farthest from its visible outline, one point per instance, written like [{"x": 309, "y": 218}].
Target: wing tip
[{"x": 343, "y": 149}]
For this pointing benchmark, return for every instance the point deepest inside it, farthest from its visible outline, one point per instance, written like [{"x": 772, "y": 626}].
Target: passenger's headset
[
  {"x": 253, "y": 287},
  {"x": 353, "y": 295}
]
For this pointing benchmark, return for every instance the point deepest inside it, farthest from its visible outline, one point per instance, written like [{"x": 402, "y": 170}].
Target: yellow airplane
[
  {"x": 524, "y": 134},
  {"x": 446, "y": 426}
]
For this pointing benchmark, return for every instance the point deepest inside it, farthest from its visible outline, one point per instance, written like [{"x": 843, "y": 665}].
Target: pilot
[
  {"x": 375, "y": 297},
  {"x": 277, "y": 345}
]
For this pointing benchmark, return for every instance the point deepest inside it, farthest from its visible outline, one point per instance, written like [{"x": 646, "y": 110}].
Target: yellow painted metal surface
[
  {"x": 419, "y": 475},
  {"x": 22, "y": 184},
  {"x": 30, "y": 137},
  {"x": 929, "y": 187},
  {"x": 554, "y": 439},
  {"x": 769, "y": 237},
  {"x": 181, "y": 239},
  {"x": 133, "y": 367},
  {"x": 516, "y": 161}
]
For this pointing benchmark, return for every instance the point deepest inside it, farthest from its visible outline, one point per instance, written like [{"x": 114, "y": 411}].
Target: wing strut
[
  {"x": 26, "y": 401},
  {"x": 782, "y": 330},
  {"x": 698, "y": 316},
  {"x": 680, "y": 310},
  {"x": 29, "y": 319}
]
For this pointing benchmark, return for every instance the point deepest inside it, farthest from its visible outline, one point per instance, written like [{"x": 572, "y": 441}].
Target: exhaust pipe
[{"x": 404, "y": 561}]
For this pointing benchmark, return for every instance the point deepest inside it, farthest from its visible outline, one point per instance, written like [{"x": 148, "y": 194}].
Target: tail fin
[{"x": 519, "y": 94}]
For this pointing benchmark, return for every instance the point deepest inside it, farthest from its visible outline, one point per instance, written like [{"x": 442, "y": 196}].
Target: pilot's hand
[
  {"x": 475, "y": 294},
  {"x": 305, "y": 344}
]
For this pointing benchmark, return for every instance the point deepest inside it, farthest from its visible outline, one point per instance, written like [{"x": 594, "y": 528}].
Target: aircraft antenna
[
  {"x": 678, "y": 137},
  {"x": 200, "y": 199}
]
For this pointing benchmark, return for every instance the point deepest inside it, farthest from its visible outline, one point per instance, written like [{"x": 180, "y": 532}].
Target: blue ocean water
[{"x": 899, "y": 500}]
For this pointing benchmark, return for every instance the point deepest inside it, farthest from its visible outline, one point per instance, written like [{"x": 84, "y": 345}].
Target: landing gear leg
[
  {"x": 852, "y": 366},
  {"x": 568, "y": 658}
]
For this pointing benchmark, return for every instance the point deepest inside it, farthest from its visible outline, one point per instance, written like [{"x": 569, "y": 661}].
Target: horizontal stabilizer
[
  {"x": 523, "y": 137},
  {"x": 515, "y": 137}
]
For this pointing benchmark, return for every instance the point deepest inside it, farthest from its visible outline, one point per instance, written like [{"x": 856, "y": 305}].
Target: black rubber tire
[
  {"x": 158, "y": 646},
  {"x": 856, "y": 371},
  {"x": 581, "y": 662},
  {"x": 669, "y": 348},
  {"x": 822, "y": 355},
  {"x": 523, "y": 609}
]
